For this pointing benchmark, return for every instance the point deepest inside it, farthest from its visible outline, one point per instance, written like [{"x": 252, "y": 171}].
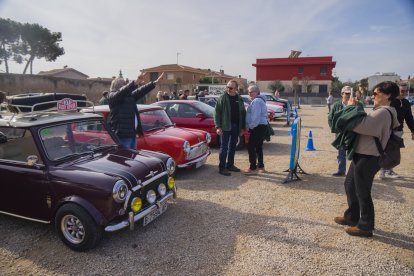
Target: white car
[{"x": 277, "y": 110}]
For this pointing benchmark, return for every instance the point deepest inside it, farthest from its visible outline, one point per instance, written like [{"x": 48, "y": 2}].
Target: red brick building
[{"x": 311, "y": 74}]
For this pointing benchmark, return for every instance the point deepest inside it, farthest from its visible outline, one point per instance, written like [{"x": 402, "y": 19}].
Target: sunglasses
[{"x": 230, "y": 88}]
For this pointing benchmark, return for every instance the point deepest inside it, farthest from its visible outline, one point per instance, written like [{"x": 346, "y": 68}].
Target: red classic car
[
  {"x": 156, "y": 132},
  {"x": 51, "y": 174},
  {"x": 196, "y": 115}
]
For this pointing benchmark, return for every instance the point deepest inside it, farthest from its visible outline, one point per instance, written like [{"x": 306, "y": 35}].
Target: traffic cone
[{"x": 309, "y": 146}]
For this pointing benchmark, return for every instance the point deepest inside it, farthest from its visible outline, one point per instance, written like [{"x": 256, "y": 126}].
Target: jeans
[
  {"x": 341, "y": 161},
  {"x": 128, "y": 142},
  {"x": 228, "y": 146},
  {"x": 358, "y": 184},
  {"x": 255, "y": 147}
]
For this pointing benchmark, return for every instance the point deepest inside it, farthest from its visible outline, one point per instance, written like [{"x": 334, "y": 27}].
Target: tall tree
[
  {"x": 336, "y": 85},
  {"x": 39, "y": 42},
  {"x": 9, "y": 36},
  {"x": 296, "y": 88},
  {"x": 276, "y": 85}
]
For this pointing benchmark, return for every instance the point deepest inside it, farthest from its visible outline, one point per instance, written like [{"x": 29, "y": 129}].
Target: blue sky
[{"x": 101, "y": 37}]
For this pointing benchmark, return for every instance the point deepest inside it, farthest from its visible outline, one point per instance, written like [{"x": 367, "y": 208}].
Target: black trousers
[
  {"x": 255, "y": 147},
  {"x": 358, "y": 184}
]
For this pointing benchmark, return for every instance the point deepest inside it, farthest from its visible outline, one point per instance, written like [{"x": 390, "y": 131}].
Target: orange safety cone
[{"x": 309, "y": 145}]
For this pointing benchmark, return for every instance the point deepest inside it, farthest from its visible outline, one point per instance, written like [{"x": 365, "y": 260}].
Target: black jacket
[
  {"x": 403, "y": 108},
  {"x": 122, "y": 104}
]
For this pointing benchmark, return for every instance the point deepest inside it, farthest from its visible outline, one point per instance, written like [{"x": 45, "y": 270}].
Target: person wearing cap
[
  {"x": 104, "y": 99},
  {"x": 337, "y": 107},
  {"x": 403, "y": 108}
]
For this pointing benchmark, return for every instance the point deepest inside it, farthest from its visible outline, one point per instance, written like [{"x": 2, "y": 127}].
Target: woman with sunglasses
[{"x": 360, "y": 214}]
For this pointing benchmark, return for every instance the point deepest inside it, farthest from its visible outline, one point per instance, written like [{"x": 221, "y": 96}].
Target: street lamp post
[{"x": 177, "y": 56}]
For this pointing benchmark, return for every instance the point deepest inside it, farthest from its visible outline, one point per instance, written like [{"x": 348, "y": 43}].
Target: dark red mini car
[
  {"x": 52, "y": 171},
  {"x": 197, "y": 115}
]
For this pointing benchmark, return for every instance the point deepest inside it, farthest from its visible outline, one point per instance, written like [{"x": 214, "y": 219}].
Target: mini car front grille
[
  {"x": 197, "y": 150},
  {"x": 141, "y": 193}
]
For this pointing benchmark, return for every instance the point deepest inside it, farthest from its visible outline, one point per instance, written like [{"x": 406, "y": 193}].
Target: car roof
[
  {"x": 178, "y": 101},
  {"x": 42, "y": 118},
  {"x": 105, "y": 108}
]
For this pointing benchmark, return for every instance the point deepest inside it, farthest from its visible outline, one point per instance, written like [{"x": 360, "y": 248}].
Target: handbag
[
  {"x": 390, "y": 157},
  {"x": 268, "y": 132}
]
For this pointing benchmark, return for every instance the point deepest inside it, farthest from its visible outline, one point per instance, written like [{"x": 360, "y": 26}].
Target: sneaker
[
  {"x": 250, "y": 172},
  {"x": 392, "y": 174},
  {"x": 233, "y": 169},
  {"x": 261, "y": 170},
  {"x": 381, "y": 175},
  {"x": 224, "y": 172}
]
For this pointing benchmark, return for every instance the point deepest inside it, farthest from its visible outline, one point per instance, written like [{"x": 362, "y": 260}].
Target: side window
[
  {"x": 187, "y": 111},
  {"x": 17, "y": 144},
  {"x": 172, "y": 110}
]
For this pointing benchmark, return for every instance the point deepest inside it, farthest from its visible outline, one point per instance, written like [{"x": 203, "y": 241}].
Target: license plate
[
  {"x": 156, "y": 213},
  {"x": 201, "y": 163}
]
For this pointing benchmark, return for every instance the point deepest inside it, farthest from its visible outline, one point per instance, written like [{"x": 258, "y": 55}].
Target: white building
[{"x": 378, "y": 77}]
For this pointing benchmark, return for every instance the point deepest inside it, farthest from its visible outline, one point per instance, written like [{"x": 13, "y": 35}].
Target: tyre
[
  {"x": 240, "y": 143},
  {"x": 76, "y": 228}
]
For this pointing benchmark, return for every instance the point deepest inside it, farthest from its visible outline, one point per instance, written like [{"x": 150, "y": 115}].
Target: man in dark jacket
[
  {"x": 122, "y": 99},
  {"x": 230, "y": 121},
  {"x": 403, "y": 108}
]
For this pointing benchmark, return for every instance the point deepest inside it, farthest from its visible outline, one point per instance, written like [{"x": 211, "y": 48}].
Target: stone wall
[{"x": 14, "y": 84}]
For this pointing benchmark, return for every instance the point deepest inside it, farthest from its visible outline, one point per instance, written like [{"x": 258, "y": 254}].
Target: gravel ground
[{"x": 242, "y": 225}]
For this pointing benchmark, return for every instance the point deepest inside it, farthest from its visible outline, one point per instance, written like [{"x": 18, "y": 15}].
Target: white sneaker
[
  {"x": 392, "y": 174},
  {"x": 381, "y": 175}
]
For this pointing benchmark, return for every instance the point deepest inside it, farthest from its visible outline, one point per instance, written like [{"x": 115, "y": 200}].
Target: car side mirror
[
  {"x": 32, "y": 160},
  {"x": 200, "y": 115}
]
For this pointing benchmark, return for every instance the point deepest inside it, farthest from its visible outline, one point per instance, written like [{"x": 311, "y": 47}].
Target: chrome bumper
[
  {"x": 132, "y": 219},
  {"x": 192, "y": 162}
]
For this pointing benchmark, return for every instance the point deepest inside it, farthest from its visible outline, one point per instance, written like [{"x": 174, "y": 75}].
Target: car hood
[
  {"x": 185, "y": 134},
  {"x": 132, "y": 166}
]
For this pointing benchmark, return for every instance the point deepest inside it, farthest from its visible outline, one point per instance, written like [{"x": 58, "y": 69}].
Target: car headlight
[
  {"x": 162, "y": 189},
  {"x": 170, "y": 166},
  {"x": 186, "y": 147},
  {"x": 136, "y": 204},
  {"x": 208, "y": 138},
  {"x": 151, "y": 196},
  {"x": 120, "y": 191}
]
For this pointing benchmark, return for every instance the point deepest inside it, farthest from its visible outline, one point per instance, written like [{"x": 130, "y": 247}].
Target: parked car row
[
  {"x": 196, "y": 115},
  {"x": 67, "y": 168}
]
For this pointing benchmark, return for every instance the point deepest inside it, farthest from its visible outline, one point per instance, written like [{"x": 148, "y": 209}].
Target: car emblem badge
[{"x": 152, "y": 173}]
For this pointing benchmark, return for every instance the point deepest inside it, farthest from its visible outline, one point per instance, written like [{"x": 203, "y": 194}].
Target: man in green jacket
[
  {"x": 230, "y": 122},
  {"x": 338, "y": 107}
]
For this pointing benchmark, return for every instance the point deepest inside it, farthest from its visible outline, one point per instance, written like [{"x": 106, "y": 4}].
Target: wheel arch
[{"x": 86, "y": 205}]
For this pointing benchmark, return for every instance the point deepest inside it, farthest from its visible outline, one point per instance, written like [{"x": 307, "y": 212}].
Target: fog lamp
[
  {"x": 162, "y": 189},
  {"x": 171, "y": 182},
  {"x": 151, "y": 196},
  {"x": 136, "y": 204}
]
